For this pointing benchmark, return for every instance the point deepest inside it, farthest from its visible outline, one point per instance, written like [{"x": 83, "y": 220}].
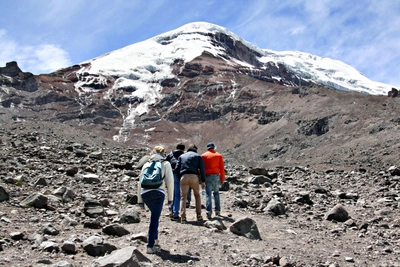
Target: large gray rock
[
  {"x": 36, "y": 200},
  {"x": 215, "y": 224},
  {"x": 96, "y": 246},
  {"x": 37, "y": 238},
  {"x": 62, "y": 264},
  {"x": 246, "y": 227},
  {"x": 129, "y": 256},
  {"x": 129, "y": 216},
  {"x": 68, "y": 221},
  {"x": 49, "y": 229},
  {"x": 115, "y": 229},
  {"x": 93, "y": 208},
  {"x": 64, "y": 193},
  {"x": 68, "y": 247},
  {"x": 49, "y": 246},
  {"x": 3, "y": 194},
  {"x": 91, "y": 178},
  {"x": 276, "y": 207},
  {"x": 260, "y": 179},
  {"x": 337, "y": 213},
  {"x": 394, "y": 170}
]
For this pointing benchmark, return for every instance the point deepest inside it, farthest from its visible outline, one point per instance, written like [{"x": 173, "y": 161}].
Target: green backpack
[{"x": 152, "y": 176}]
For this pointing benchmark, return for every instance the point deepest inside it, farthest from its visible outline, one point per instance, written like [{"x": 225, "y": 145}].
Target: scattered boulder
[
  {"x": 41, "y": 182},
  {"x": 36, "y": 200},
  {"x": 96, "y": 246},
  {"x": 394, "y": 171},
  {"x": 128, "y": 256},
  {"x": 96, "y": 155},
  {"x": 260, "y": 179},
  {"x": 17, "y": 236},
  {"x": 215, "y": 224},
  {"x": 80, "y": 153},
  {"x": 246, "y": 227},
  {"x": 337, "y": 213},
  {"x": 62, "y": 264},
  {"x": 3, "y": 194},
  {"x": 72, "y": 171},
  {"x": 115, "y": 229},
  {"x": 132, "y": 199},
  {"x": 129, "y": 216},
  {"x": 91, "y": 178},
  {"x": 275, "y": 207},
  {"x": 49, "y": 246},
  {"x": 93, "y": 208},
  {"x": 68, "y": 247},
  {"x": 49, "y": 229},
  {"x": 37, "y": 239}
]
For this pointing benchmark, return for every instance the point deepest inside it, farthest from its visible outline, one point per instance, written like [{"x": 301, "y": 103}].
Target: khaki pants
[{"x": 190, "y": 180}]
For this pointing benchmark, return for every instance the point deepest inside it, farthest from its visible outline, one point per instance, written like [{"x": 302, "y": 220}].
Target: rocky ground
[{"x": 68, "y": 198}]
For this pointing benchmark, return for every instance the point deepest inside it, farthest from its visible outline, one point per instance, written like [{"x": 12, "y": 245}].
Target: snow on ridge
[
  {"x": 326, "y": 71},
  {"x": 205, "y": 28}
]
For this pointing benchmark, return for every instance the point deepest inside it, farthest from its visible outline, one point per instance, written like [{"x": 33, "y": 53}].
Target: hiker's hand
[
  {"x": 203, "y": 185},
  {"x": 169, "y": 202}
]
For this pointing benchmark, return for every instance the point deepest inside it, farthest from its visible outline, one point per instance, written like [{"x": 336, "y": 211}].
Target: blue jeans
[
  {"x": 154, "y": 200},
  {"x": 175, "y": 206},
  {"x": 212, "y": 186}
]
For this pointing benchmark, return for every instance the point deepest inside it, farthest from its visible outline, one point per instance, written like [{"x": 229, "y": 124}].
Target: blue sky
[{"x": 43, "y": 36}]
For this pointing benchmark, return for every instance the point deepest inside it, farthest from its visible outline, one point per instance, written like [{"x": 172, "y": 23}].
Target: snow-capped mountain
[{"x": 151, "y": 60}]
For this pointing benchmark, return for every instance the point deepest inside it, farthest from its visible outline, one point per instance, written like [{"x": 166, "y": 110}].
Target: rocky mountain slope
[{"x": 68, "y": 198}]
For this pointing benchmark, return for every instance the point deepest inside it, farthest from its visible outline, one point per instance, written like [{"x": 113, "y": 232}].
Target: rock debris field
[{"x": 68, "y": 198}]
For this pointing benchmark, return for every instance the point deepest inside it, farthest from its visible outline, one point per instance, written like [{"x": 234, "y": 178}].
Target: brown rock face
[{"x": 254, "y": 118}]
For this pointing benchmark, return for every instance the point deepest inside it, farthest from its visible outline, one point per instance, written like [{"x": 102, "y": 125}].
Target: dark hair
[{"x": 180, "y": 146}]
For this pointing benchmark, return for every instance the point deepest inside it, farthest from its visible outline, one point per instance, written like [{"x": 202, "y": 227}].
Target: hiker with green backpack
[{"x": 156, "y": 176}]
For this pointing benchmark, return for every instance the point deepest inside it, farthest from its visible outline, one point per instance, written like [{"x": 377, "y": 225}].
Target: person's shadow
[{"x": 177, "y": 258}]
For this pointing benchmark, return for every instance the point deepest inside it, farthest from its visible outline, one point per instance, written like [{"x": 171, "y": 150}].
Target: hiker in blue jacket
[
  {"x": 154, "y": 198},
  {"x": 190, "y": 164}
]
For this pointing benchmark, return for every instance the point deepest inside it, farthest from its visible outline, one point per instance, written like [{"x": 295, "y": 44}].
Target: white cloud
[{"x": 42, "y": 58}]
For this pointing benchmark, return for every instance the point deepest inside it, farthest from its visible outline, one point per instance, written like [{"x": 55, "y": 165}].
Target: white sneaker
[{"x": 153, "y": 250}]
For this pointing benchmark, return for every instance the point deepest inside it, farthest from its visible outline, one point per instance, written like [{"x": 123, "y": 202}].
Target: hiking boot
[
  {"x": 187, "y": 205},
  {"x": 171, "y": 214},
  {"x": 217, "y": 213},
  {"x": 183, "y": 220},
  {"x": 208, "y": 216},
  {"x": 199, "y": 217},
  {"x": 153, "y": 250},
  {"x": 176, "y": 219}
]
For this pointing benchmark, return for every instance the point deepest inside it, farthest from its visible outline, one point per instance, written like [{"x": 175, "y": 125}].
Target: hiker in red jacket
[{"x": 215, "y": 176}]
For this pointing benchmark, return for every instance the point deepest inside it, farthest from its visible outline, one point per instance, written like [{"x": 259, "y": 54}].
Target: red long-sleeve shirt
[{"x": 214, "y": 163}]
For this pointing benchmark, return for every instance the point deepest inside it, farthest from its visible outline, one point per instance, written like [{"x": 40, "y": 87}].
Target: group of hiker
[{"x": 181, "y": 171}]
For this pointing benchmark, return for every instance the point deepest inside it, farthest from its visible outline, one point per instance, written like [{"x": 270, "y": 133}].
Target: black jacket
[
  {"x": 173, "y": 156},
  {"x": 191, "y": 163}
]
